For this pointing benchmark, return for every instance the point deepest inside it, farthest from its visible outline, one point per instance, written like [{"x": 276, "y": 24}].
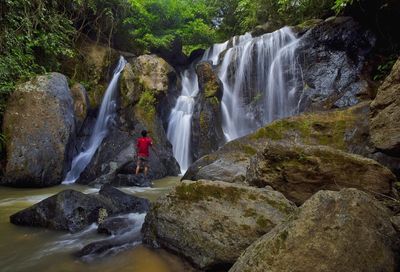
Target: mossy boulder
[
  {"x": 385, "y": 114},
  {"x": 39, "y": 127},
  {"x": 145, "y": 74},
  {"x": 299, "y": 171},
  {"x": 333, "y": 231},
  {"x": 211, "y": 223}
]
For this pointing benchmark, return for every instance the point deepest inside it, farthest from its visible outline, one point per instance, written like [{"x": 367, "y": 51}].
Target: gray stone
[{"x": 39, "y": 127}]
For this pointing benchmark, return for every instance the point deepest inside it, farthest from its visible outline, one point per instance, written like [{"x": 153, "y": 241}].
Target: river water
[{"x": 38, "y": 249}]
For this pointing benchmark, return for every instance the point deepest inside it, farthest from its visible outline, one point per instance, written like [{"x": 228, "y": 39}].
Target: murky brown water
[{"x": 37, "y": 249}]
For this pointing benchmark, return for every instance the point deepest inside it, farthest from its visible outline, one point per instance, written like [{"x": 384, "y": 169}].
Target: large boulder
[
  {"x": 346, "y": 130},
  {"x": 385, "y": 114},
  {"x": 72, "y": 210},
  {"x": 333, "y": 231},
  {"x": 211, "y": 223},
  {"x": 299, "y": 171},
  {"x": 39, "y": 126},
  {"x": 333, "y": 54},
  {"x": 207, "y": 135}
]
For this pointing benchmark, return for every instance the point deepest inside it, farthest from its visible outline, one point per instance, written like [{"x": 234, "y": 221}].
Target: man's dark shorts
[{"x": 143, "y": 161}]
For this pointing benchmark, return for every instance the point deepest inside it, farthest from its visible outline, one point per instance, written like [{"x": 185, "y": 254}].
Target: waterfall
[
  {"x": 261, "y": 82},
  {"x": 261, "y": 79},
  {"x": 106, "y": 115},
  {"x": 180, "y": 119}
]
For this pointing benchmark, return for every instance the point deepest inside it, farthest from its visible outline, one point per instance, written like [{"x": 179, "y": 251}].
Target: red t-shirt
[{"x": 143, "y": 145}]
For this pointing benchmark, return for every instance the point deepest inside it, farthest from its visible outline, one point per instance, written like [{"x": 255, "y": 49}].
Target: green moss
[
  {"x": 203, "y": 121},
  {"x": 320, "y": 129},
  {"x": 249, "y": 150},
  {"x": 263, "y": 222},
  {"x": 197, "y": 191},
  {"x": 210, "y": 89}
]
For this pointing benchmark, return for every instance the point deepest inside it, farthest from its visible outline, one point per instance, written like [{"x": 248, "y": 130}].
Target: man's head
[{"x": 144, "y": 133}]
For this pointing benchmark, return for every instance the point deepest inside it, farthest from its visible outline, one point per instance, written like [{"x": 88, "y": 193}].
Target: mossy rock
[
  {"x": 349, "y": 230},
  {"x": 211, "y": 223}
]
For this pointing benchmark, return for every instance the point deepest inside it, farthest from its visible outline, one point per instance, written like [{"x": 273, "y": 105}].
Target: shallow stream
[{"x": 37, "y": 249}]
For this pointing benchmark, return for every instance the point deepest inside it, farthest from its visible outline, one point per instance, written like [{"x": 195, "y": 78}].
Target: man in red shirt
[{"x": 143, "y": 144}]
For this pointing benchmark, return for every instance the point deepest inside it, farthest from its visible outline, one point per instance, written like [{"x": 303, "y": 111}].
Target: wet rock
[
  {"x": 122, "y": 202},
  {"x": 299, "y": 171},
  {"x": 115, "y": 226},
  {"x": 39, "y": 127},
  {"x": 98, "y": 248},
  {"x": 72, "y": 211},
  {"x": 333, "y": 56},
  {"x": 125, "y": 234},
  {"x": 211, "y": 222},
  {"x": 207, "y": 135},
  {"x": 385, "y": 114},
  {"x": 69, "y": 210},
  {"x": 131, "y": 180},
  {"x": 333, "y": 231}
]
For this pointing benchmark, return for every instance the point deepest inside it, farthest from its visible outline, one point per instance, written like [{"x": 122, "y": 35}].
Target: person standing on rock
[{"x": 143, "y": 145}]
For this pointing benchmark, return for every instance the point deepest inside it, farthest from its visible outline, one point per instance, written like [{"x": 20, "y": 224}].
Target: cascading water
[
  {"x": 180, "y": 120},
  {"x": 261, "y": 79},
  {"x": 106, "y": 115}
]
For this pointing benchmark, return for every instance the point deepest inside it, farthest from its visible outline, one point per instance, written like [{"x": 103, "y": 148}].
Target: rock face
[
  {"x": 207, "y": 135},
  {"x": 72, "y": 211},
  {"x": 334, "y": 231},
  {"x": 81, "y": 104},
  {"x": 333, "y": 55},
  {"x": 39, "y": 126},
  {"x": 210, "y": 223},
  {"x": 145, "y": 83},
  {"x": 346, "y": 130},
  {"x": 385, "y": 114},
  {"x": 299, "y": 171}
]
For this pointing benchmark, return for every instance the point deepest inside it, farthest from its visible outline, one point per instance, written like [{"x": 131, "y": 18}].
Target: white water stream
[
  {"x": 180, "y": 120},
  {"x": 263, "y": 84},
  {"x": 105, "y": 117}
]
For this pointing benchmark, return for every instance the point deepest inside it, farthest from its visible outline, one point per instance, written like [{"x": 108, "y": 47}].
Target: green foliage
[
  {"x": 384, "y": 69},
  {"x": 340, "y": 5},
  {"x": 156, "y": 24}
]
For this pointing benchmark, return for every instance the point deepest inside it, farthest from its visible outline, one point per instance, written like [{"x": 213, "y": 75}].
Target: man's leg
[
  {"x": 138, "y": 166},
  {"x": 146, "y": 166}
]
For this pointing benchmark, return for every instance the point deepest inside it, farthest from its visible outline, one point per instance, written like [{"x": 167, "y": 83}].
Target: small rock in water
[
  {"x": 73, "y": 211},
  {"x": 132, "y": 180},
  {"x": 115, "y": 226}
]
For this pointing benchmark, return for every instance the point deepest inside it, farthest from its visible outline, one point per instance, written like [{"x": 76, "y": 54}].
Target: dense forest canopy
[{"x": 38, "y": 36}]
